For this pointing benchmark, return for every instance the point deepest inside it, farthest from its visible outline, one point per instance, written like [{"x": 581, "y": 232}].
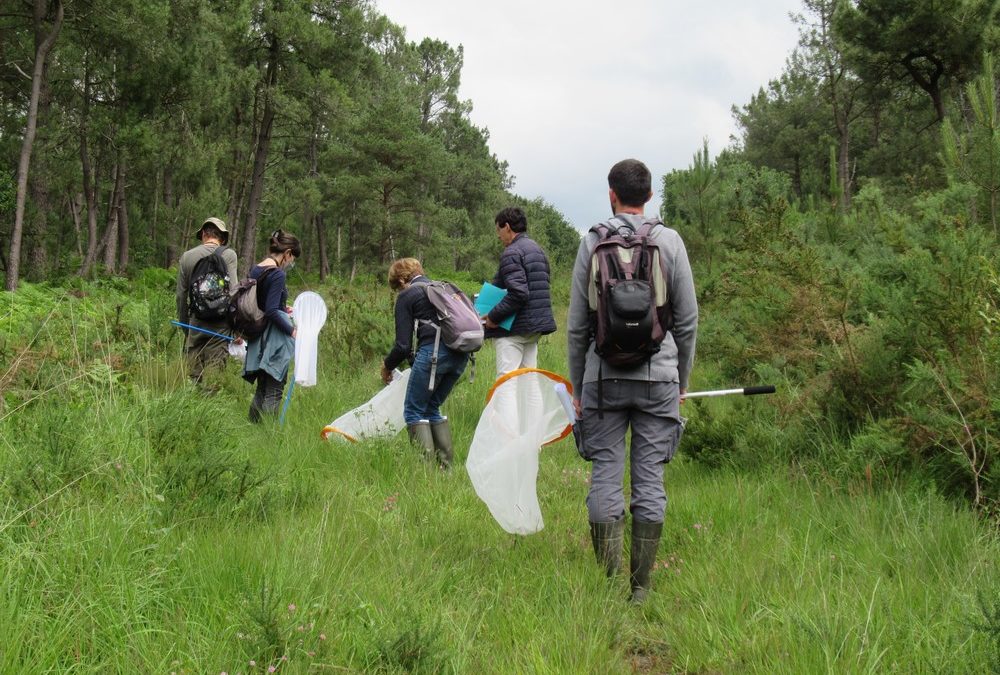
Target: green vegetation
[
  {"x": 320, "y": 118},
  {"x": 845, "y": 250},
  {"x": 145, "y": 527}
]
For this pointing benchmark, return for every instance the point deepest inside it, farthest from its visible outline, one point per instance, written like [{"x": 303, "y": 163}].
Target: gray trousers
[{"x": 651, "y": 410}]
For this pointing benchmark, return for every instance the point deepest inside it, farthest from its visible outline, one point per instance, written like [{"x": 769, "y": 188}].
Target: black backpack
[
  {"x": 208, "y": 291},
  {"x": 627, "y": 293},
  {"x": 246, "y": 317}
]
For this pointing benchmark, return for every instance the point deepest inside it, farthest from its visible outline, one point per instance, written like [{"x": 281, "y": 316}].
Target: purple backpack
[{"x": 458, "y": 324}]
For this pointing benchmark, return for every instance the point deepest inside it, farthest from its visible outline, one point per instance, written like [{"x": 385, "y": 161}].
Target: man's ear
[
  {"x": 613, "y": 197},
  {"x": 649, "y": 196}
]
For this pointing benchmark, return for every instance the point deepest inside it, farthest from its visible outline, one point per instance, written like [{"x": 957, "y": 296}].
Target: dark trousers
[
  {"x": 267, "y": 398},
  {"x": 203, "y": 352}
]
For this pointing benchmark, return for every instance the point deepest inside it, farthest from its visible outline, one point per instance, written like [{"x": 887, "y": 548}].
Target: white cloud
[{"x": 568, "y": 88}]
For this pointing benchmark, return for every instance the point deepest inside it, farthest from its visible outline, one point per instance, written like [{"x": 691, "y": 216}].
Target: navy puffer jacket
[{"x": 524, "y": 272}]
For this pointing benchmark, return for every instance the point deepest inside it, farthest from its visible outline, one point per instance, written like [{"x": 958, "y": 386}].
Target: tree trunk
[
  {"x": 340, "y": 255},
  {"x": 109, "y": 242},
  {"x": 38, "y": 232},
  {"x": 89, "y": 179},
  {"x": 249, "y": 244},
  {"x": 324, "y": 257},
  {"x": 75, "y": 202},
  {"x": 123, "y": 234},
  {"x": 42, "y": 50},
  {"x": 931, "y": 83},
  {"x": 238, "y": 181},
  {"x": 38, "y": 184},
  {"x": 844, "y": 169}
]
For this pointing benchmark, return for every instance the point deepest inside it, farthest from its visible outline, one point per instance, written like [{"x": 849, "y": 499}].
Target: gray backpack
[
  {"x": 246, "y": 316},
  {"x": 458, "y": 325}
]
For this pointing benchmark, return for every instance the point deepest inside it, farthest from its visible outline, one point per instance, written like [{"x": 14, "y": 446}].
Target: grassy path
[{"x": 197, "y": 543}]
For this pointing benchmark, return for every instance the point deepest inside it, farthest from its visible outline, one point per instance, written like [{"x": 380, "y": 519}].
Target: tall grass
[{"x": 145, "y": 527}]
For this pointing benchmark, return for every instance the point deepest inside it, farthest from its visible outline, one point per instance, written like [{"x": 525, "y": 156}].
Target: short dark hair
[
  {"x": 282, "y": 241},
  {"x": 631, "y": 181},
  {"x": 513, "y": 216},
  {"x": 213, "y": 232}
]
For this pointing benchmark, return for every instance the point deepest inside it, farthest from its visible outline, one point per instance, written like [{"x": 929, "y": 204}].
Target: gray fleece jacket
[{"x": 676, "y": 356}]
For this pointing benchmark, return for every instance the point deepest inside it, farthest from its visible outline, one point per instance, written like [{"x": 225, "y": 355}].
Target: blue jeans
[{"x": 421, "y": 403}]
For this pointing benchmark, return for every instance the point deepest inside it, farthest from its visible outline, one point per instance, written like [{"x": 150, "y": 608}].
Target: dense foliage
[
  {"x": 316, "y": 117},
  {"x": 846, "y": 245}
]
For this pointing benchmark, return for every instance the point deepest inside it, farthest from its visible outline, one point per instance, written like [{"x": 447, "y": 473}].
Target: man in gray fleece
[
  {"x": 203, "y": 351},
  {"x": 646, "y": 398}
]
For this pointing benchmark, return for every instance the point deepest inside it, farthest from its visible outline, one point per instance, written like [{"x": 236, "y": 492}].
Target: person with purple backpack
[{"x": 436, "y": 366}]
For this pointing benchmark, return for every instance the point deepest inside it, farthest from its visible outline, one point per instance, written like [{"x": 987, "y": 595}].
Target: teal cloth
[{"x": 272, "y": 352}]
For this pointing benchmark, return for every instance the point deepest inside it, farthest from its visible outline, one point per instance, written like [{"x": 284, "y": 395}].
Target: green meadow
[{"x": 147, "y": 527}]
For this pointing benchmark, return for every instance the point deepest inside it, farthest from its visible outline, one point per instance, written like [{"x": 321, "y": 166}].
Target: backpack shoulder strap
[
  {"x": 647, "y": 227},
  {"x": 604, "y": 230},
  {"x": 217, "y": 253}
]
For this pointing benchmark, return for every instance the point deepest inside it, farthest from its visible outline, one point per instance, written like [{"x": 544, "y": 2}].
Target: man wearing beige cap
[{"x": 206, "y": 275}]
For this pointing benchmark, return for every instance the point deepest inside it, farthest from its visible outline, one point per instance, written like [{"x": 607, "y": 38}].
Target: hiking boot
[
  {"x": 645, "y": 544},
  {"x": 420, "y": 436},
  {"x": 608, "y": 538},
  {"x": 441, "y": 433}
]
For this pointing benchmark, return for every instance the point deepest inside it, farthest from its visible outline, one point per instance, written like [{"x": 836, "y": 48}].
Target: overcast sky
[{"x": 567, "y": 88}]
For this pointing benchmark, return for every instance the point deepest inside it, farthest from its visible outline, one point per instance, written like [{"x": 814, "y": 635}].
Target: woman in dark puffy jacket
[
  {"x": 269, "y": 355},
  {"x": 427, "y": 427}
]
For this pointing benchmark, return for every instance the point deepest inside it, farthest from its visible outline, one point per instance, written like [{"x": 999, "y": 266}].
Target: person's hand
[
  {"x": 683, "y": 391},
  {"x": 488, "y": 322},
  {"x": 577, "y": 408},
  {"x": 386, "y": 375},
  {"x": 295, "y": 331},
  {"x": 238, "y": 340},
  {"x": 288, "y": 310}
]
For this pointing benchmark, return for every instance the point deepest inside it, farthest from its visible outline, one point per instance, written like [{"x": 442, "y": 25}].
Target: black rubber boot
[
  {"x": 420, "y": 436},
  {"x": 608, "y": 538},
  {"x": 441, "y": 433},
  {"x": 645, "y": 544}
]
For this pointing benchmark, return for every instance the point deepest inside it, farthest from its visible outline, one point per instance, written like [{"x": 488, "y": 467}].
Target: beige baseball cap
[{"x": 219, "y": 223}]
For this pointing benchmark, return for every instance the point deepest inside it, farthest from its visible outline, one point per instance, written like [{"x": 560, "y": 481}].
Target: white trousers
[
  {"x": 513, "y": 352},
  {"x": 516, "y": 351}
]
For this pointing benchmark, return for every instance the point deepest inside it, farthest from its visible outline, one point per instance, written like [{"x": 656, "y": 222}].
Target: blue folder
[{"x": 488, "y": 298}]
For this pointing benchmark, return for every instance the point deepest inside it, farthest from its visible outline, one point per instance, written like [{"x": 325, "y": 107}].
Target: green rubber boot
[
  {"x": 608, "y": 538},
  {"x": 645, "y": 544},
  {"x": 441, "y": 433},
  {"x": 420, "y": 436}
]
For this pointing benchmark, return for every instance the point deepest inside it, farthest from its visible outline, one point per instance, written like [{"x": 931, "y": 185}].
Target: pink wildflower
[
  {"x": 322, "y": 636},
  {"x": 271, "y": 669},
  {"x": 291, "y": 608}
]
